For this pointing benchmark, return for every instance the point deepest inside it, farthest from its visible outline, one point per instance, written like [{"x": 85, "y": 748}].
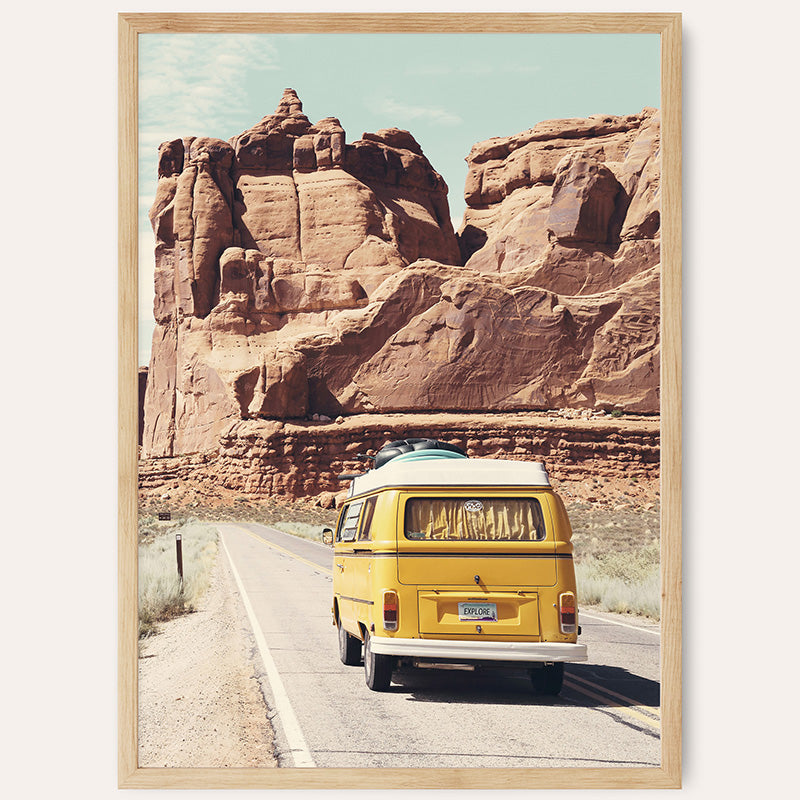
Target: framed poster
[{"x": 300, "y": 296}]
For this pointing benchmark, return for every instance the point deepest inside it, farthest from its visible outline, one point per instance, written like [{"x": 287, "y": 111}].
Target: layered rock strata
[
  {"x": 298, "y": 274},
  {"x": 293, "y": 460}
]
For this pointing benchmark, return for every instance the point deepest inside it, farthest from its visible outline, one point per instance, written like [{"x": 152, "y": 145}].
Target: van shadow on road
[
  {"x": 514, "y": 687},
  {"x": 629, "y": 689}
]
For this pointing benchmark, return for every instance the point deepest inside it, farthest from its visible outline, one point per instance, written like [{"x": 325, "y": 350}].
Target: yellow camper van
[{"x": 443, "y": 560}]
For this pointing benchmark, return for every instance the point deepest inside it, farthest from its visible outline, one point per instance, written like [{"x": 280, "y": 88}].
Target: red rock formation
[
  {"x": 305, "y": 195},
  {"x": 262, "y": 239},
  {"x": 298, "y": 274},
  {"x": 591, "y": 182},
  {"x": 583, "y": 200},
  {"x": 302, "y": 458},
  {"x": 572, "y": 206}
]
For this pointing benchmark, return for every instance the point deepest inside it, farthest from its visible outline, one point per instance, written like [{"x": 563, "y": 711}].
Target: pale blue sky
[{"x": 449, "y": 90}]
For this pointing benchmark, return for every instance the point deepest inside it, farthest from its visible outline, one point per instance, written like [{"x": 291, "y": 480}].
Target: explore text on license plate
[{"x": 478, "y": 611}]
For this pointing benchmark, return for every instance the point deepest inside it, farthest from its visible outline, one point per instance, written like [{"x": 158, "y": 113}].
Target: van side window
[
  {"x": 365, "y": 534},
  {"x": 349, "y": 523},
  {"x": 475, "y": 519}
]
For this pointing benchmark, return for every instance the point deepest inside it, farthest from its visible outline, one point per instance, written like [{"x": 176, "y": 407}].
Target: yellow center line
[
  {"x": 652, "y": 709},
  {"x": 631, "y": 712},
  {"x": 282, "y": 549}
]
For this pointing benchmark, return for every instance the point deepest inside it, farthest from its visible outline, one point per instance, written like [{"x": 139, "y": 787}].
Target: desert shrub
[
  {"x": 302, "y": 529},
  {"x": 161, "y": 595},
  {"x": 624, "y": 582}
]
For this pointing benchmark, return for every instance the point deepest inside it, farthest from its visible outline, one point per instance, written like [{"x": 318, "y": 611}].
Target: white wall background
[{"x": 58, "y": 318}]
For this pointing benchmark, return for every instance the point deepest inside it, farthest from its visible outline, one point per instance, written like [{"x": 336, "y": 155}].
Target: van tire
[
  {"x": 349, "y": 647},
  {"x": 548, "y": 679},
  {"x": 377, "y": 667}
]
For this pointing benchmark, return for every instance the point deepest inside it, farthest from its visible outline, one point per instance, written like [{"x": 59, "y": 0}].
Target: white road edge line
[
  {"x": 291, "y": 727},
  {"x": 621, "y": 624}
]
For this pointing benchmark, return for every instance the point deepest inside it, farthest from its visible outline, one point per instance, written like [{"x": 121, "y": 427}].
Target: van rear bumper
[{"x": 458, "y": 650}]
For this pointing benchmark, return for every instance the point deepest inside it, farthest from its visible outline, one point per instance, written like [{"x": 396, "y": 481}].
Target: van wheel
[
  {"x": 377, "y": 668},
  {"x": 349, "y": 647},
  {"x": 548, "y": 679}
]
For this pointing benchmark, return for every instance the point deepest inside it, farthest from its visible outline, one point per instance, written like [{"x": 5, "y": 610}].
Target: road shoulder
[{"x": 200, "y": 702}]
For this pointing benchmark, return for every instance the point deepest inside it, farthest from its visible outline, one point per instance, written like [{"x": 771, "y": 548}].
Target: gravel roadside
[{"x": 200, "y": 703}]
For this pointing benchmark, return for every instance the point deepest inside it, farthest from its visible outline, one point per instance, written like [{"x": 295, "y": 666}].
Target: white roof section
[{"x": 452, "y": 473}]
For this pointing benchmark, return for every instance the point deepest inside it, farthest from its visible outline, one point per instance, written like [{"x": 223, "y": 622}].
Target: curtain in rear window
[{"x": 474, "y": 519}]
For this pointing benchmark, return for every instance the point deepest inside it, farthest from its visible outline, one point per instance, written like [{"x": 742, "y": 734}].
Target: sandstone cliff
[
  {"x": 299, "y": 274},
  {"x": 572, "y": 207}
]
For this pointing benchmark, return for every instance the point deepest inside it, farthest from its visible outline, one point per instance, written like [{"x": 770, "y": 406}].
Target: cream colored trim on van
[
  {"x": 455, "y": 650},
  {"x": 453, "y": 474}
]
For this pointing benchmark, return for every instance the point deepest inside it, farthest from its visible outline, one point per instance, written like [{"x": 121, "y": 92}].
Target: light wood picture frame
[{"x": 668, "y": 775}]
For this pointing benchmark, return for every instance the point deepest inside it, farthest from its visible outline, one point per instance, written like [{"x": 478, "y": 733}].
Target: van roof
[{"x": 451, "y": 472}]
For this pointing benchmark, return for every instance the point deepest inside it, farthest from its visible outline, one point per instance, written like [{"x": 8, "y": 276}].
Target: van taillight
[
  {"x": 567, "y": 616},
  {"x": 390, "y": 611}
]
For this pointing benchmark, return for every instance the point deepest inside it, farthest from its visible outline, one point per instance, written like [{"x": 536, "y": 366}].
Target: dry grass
[
  {"x": 640, "y": 597},
  {"x": 304, "y": 530},
  {"x": 617, "y": 558},
  {"x": 264, "y": 510},
  {"x": 162, "y": 596},
  {"x": 616, "y": 543}
]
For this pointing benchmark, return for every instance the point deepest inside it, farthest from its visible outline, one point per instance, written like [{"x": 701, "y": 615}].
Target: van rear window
[{"x": 474, "y": 519}]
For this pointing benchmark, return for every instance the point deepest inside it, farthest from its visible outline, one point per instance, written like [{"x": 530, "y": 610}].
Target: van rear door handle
[{"x": 341, "y": 566}]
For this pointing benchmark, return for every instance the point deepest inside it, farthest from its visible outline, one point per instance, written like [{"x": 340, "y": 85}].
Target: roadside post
[{"x": 179, "y": 554}]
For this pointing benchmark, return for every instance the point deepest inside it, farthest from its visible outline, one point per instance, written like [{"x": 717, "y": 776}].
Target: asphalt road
[{"x": 325, "y": 716}]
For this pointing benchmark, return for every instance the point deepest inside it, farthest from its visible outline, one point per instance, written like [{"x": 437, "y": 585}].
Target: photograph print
[{"x": 400, "y": 482}]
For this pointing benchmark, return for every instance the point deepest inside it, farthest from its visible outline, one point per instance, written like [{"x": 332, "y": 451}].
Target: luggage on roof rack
[{"x": 403, "y": 446}]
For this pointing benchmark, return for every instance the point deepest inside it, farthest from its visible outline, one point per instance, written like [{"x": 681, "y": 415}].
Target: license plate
[{"x": 477, "y": 612}]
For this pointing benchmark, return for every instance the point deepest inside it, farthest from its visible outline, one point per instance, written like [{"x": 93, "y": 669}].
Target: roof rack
[{"x": 446, "y": 471}]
